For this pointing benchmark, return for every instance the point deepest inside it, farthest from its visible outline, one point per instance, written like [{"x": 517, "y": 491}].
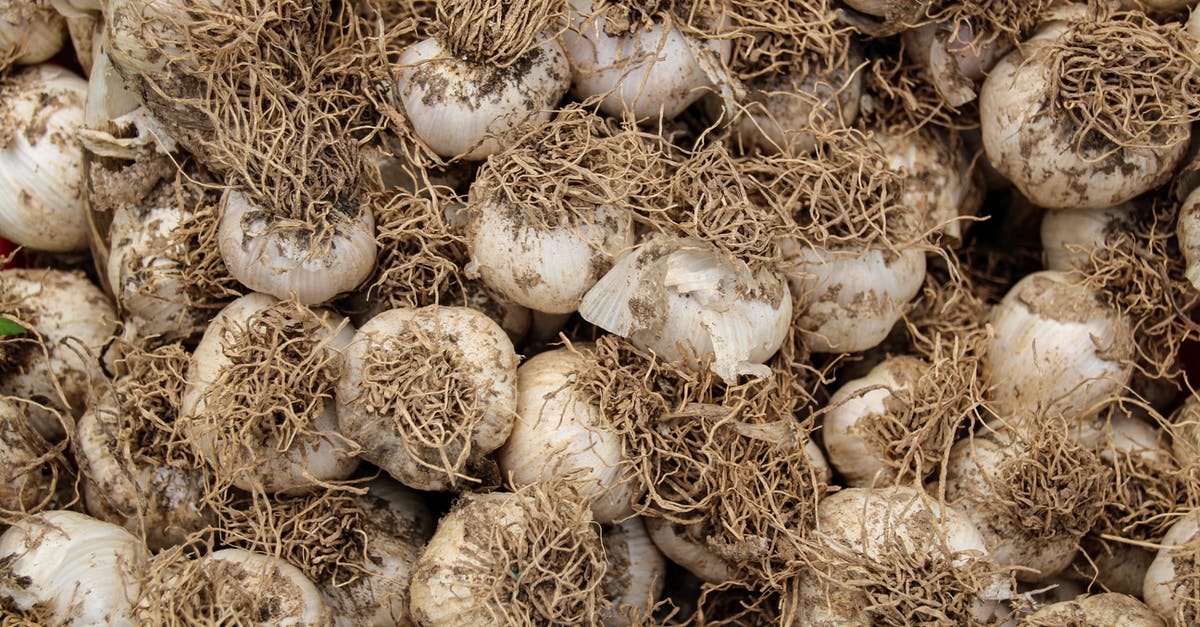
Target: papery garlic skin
[
  {"x": 942, "y": 183},
  {"x": 1102, "y": 610},
  {"x": 1056, "y": 349},
  {"x": 463, "y": 109},
  {"x": 41, "y": 162},
  {"x": 853, "y": 297},
  {"x": 1070, "y": 236},
  {"x": 86, "y": 572},
  {"x": 650, "y": 73},
  {"x": 286, "y": 596},
  {"x": 545, "y": 268},
  {"x": 858, "y": 401},
  {"x": 560, "y": 433},
  {"x": 30, "y": 31},
  {"x": 636, "y": 573},
  {"x": 685, "y": 299},
  {"x": 279, "y": 257},
  {"x": 75, "y": 320},
  {"x": 324, "y": 458},
  {"x": 25, "y": 481},
  {"x": 480, "y": 355},
  {"x": 131, "y": 24},
  {"x": 1029, "y": 139},
  {"x": 1178, "y": 556},
  {"x": 1187, "y": 229}
]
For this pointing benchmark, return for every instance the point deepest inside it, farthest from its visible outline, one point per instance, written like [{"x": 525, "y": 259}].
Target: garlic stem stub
[
  {"x": 31, "y": 31},
  {"x": 429, "y": 393},
  {"x": 285, "y": 258},
  {"x": 41, "y": 161},
  {"x": 258, "y": 406},
  {"x": 688, "y": 301}
]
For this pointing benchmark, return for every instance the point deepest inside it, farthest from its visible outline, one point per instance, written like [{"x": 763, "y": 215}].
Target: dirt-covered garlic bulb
[
  {"x": 285, "y": 257},
  {"x": 259, "y": 406},
  {"x": 876, "y": 552},
  {"x": 428, "y": 394},
  {"x": 636, "y": 573},
  {"x": 561, "y": 433},
  {"x": 67, "y": 322},
  {"x": 941, "y": 182},
  {"x": 489, "y": 68},
  {"x": 1092, "y": 112},
  {"x": 503, "y": 558},
  {"x": 1173, "y": 579},
  {"x": 68, "y": 568},
  {"x": 1069, "y": 237},
  {"x": 640, "y": 59},
  {"x": 1110, "y": 609},
  {"x": 41, "y": 161},
  {"x": 28, "y": 476},
  {"x": 31, "y": 31},
  {"x": 852, "y": 298},
  {"x": 687, "y": 300},
  {"x": 1056, "y": 349}
]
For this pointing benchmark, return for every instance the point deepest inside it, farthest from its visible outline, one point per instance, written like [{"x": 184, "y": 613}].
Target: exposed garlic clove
[
  {"x": 81, "y": 570},
  {"x": 279, "y": 591},
  {"x": 429, "y": 393},
  {"x": 31, "y": 31},
  {"x": 942, "y": 183},
  {"x": 562, "y": 434},
  {"x": 636, "y": 573},
  {"x": 313, "y": 262},
  {"x": 272, "y": 446},
  {"x": 686, "y": 300},
  {"x": 1056, "y": 350},
  {"x": 1167, "y": 588},
  {"x": 1101, "y": 610},
  {"x": 652, "y": 73},
  {"x": 116, "y": 122},
  {"x": 464, "y": 109},
  {"x": 854, "y": 297},
  {"x": 675, "y": 541},
  {"x": 1069, "y": 237},
  {"x": 73, "y": 320},
  {"x": 27, "y": 479},
  {"x": 41, "y": 162},
  {"x": 1187, "y": 229}
]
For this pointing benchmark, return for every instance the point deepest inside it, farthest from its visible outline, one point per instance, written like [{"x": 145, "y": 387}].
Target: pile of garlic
[{"x": 599, "y": 312}]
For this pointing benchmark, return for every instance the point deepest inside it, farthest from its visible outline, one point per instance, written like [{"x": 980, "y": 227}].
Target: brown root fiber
[
  {"x": 1126, "y": 79},
  {"x": 990, "y": 22},
  {"x": 497, "y": 33},
  {"x": 779, "y": 37},
  {"x": 421, "y": 256}
]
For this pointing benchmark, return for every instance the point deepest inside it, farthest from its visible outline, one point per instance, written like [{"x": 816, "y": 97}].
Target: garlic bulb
[
  {"x": 27, "y": 479},
  {"x": 942, "y": 183},
  {"x": 877, "y": 543},
  {"x": 954, "y": 56},
  {"x": 41, "y": 162},
  {"x": 1101, "y": 610},
  {"x": 503, "y": 558},
  {"x": 1056, "y": 349},
  {"x": 1069, "y": 236},
  {"x": 81, "y": 570},
  {"x": 636, "y": 573},
  {"x": 275, "y": 591},
  {"x": 428, "y": 393},
  {"x": 397, "y": 524},
  {"x": 858, "y": 447},
  {"x": 686, "y": 300},
  {"x": 689, "y": 552},
  {"x": 1187, "y": 229},
  {"x": 30, "y": 31},
  {"x": 1185, "y": 431},
  {"x": 281, "y": 257},
  {"x": 68, "y": 322},
  {"x": 147, "y": 40},
  {"x": 1050, "y": 136},
  {"x": 1170, "y": 584},
  {"x": 854, "y": 297},
  {"x": 561, "y": 433},
  {"x": 258, "y": 406}
]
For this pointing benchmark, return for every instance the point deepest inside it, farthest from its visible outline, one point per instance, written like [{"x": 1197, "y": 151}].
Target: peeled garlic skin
[
  {"x": 1083, "y": 230},
  {"x": 853, "y": 297},
  {"x": 31, "y": 30},
  {"x": 285, "y": 263},
  {"x": 1159, "y": 587},
  {"x": 1031, "y": 144},
  {"x": 289, "y": 598},
  {"x": 86, "y": 572},
  {"x": 636, "y": 572},
  {"x": 648, "y": 73},
  {"x": 462, "y": 109},
  {"x": 1187, "y": 229},
  {"x": 546, "y": 269},
  {"x": 1055, "y": 349},
  {"x": 560, "y": 433},
  {"x": 41, "y": 161}
]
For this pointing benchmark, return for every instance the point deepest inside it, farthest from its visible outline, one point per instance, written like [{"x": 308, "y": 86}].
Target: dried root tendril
[
  {"x": 148, "y": 392},
  {"x": 421, "y": 256},
  {"x": 779, "y": 37},
  {"x": 989, "y": 22},
  {"x": 498, "y": 33}
]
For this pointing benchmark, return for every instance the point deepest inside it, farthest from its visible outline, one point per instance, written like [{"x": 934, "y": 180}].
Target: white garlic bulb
[
  {"x": 1187, "y": 229},
  {"x": 560, "y": 433},
  {"x": 282, "y": 257},
  {"x": 1056, "y": 349},
  {"x": 272, "y": 446},
  {"x": 74, "y": 321},
  {"x": 686, "y": 300},
  {"x": 1070, "y": 236},
  {"x": 463, "y": 108},
  {"x": 428, "y": 393},
  {"x": 30, "y": 31},
  {"x": 85, "y": 572},
  {"x": 277, "y": 592},
  {"x": 650, "y": 72},
  {"x": 1185, "y": 431},
  {"x": 148, "y": 38},
  {"x": 854, "y": 297},
  {"x": 41, "y": 161},
  {"x": 941, "y": 182},
  {"x": 1167, "y": 588},
  {"x": 1102, "y": 610},
  {"x": 636, "y": 573}
]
